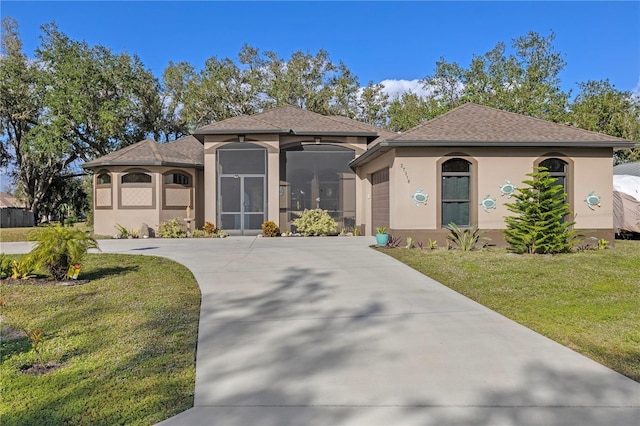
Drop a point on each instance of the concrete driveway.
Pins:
(327, 331)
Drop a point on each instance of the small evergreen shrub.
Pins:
(270, 229)
(57, 248)
(539, 224)
(172, 228)
(315, 222)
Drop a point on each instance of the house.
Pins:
(13, 212)
(459, 167)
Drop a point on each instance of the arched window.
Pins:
(136, 177)
(557, 168)
(103, 179)
(177, 178)
(456, 192)
(103, 194)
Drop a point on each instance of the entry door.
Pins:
(242, 204)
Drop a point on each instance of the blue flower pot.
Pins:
(382, 239)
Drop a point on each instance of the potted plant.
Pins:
(382, 238)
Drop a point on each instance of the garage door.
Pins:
(380, 199)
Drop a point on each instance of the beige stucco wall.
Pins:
(105, 219)
(413, 169)
(363, 214)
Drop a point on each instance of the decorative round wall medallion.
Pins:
(592, 200)
(507, 189)
(488, 203)
(420, 198)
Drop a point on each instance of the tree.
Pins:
(539, 224)
(67, 195)
(73, 102)
(372, 105)
(600, 107)
(21, 107)
(175, 81)
(409, 110)
(96, 100)
(222, 89)
(526, 82)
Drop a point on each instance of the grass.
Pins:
(8, 235)
(125, 344)
(587, 300)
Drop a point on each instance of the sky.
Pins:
(390, 42)
(393, 42)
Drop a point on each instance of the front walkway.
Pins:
(326, 331)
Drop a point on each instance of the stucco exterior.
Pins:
(131, 206)
(414, 169)
(495, 148)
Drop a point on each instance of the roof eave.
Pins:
(379, 148)
(95, 165)
(280, 132)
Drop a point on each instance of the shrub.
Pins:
(57, 248)
(172, 229)
(22, 269)
(5, 266)
(270, 229)
(315, 222)
(209, 227)
(540, 224)
(200, 233)
(122, 231)
(466, 239)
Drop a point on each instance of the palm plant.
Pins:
(57, 248)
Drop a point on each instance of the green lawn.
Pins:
(588, 301)
(125, 343)
(8, 235)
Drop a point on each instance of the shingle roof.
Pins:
(187, 151)
(287, 119)
(477, 123)
(9, 201)
(382, 133)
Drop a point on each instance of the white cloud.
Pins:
(635, 92)
(395, 88)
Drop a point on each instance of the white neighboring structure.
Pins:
(626, 197)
